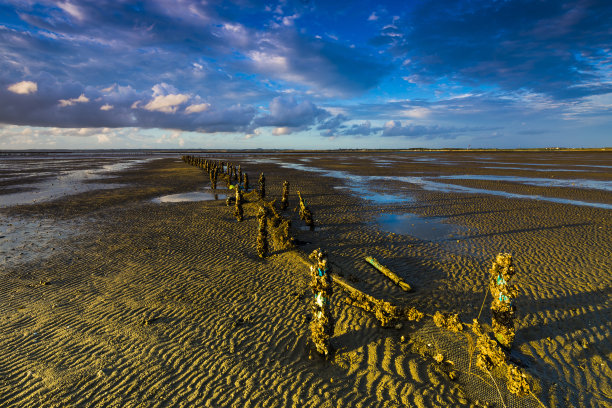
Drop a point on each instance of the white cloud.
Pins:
(106, 107)
(71, 9)
(109, 89)
(373, 17)
(69, 102)
(102, 138)
(166, 103)
(255, 133)
(23, 87)
(135, 105)
(201, 107)
(417, 113)
(281, 131)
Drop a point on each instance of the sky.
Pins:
(305, 74)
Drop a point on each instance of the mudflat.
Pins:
(120, 297)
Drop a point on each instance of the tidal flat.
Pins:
(113, 294)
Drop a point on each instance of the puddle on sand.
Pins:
(66, 183)
(540, 182)
(428, 183)
(374, 196)
(425, 228)
(189, 197)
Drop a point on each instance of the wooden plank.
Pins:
(389, 273)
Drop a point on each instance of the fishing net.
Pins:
(456, 356)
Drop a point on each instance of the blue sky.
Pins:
(305, 74)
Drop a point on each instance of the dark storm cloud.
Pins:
(555, 47)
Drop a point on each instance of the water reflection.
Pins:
(188, 197)
(425, 228)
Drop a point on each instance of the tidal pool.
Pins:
(425, 228)
(188, 197)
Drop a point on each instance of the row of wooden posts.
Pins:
(269, 216)
(493, 350)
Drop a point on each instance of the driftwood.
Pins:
(388, 273)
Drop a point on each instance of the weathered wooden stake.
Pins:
(262, 185)
(285, 199)
(503, 310)
(322, 323)
(305, 213)
(262, 236)
(238, 208)
(388, 273)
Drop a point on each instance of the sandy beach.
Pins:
(113, 297)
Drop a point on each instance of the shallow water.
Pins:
(540, 182)
(189, 197)
(431, 184)
(425, 228)
(66, 183)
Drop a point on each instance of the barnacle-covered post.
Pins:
(305, 213)
(285, 199)
(213, 178)
(245, 181)
(503, 310)
(238, 208)
(262, 185)
(322, 323)
(262, 235)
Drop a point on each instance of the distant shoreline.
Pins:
(292, 151)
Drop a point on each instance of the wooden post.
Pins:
(322, 323)
(285, 198)
(305, 213)
(262, 185)
(262, 236)
(503, 310)
(238, 212)
(388, 273)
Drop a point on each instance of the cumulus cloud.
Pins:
(287, 111)
(166, 103)
(106, 107)
(23, 87)
(196, 108)
(396, 128)
(284, 130)
(72, 101)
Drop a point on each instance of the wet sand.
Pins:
(138, 303)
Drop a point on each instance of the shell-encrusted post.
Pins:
(262, 235)
(262, 185)
(238, 212)
(503, 310)
(285, 198)
(322, 323)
